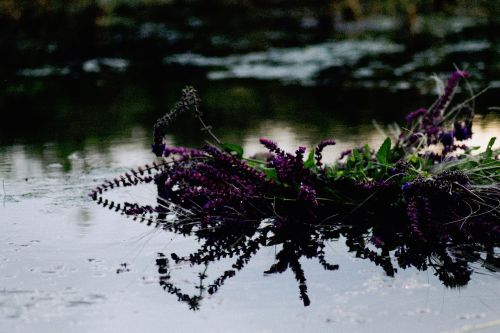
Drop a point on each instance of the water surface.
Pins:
(61, 253)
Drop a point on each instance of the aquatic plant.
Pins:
(428, 200)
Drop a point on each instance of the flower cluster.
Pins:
(289, 168)
(296, 180)
(440, 125)
(188, 101)
(217, 181)
(401, 202)
(211, 182)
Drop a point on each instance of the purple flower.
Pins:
(462, 130)
(415, 114)
(449, 90)
(189, 100)
(284, 168)
(406, 187)
(183, 151)
(307, 195)
(289, 168)
(446, 138)
(270, 145)
(319, 150)
(238, 166)
(345, 153)
(299, 154)
(401, 168)
(432, 131)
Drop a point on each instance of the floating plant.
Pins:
(423, 199)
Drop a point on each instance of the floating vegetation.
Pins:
(423, 199)
(290, 64)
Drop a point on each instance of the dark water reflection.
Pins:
(451, 263)
(72, 110)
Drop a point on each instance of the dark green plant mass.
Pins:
(424, 198)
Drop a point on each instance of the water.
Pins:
(66, 263)
(60, 254)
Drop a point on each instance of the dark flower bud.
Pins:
(446, 138)
(462, 130)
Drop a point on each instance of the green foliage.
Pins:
(270, 173)
(309, 162)
(233, 149)
(384, 152)
(489, 151)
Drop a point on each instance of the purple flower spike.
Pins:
(415, 114)
(446, 138)
(345, 153)
(461, 74)
(445, 99)
(299, 154)
(319, 150)
(270, 145)
(324, 143)
(182, 151)
(289, 168)
(308, 195)
(462, 131)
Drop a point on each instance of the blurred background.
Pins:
(76, 75)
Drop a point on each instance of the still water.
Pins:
(67, 264)
(61, 254)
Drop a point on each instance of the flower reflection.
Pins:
(365, 236)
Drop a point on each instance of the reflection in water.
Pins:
(366, 233)
(117, 110)
(379, 232)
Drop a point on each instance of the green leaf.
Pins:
(489, 149)
(233, 149)
(383, 153)
(310, 163)
(270, 173)
(367, 152)
(357, 155)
